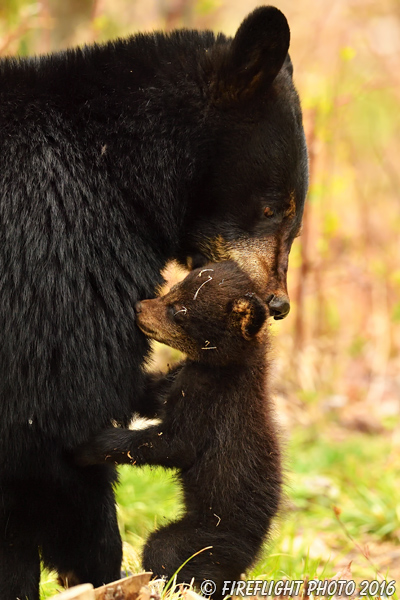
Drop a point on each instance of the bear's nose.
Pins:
(138, 307)
(279, 306)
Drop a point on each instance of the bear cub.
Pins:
(217, 426)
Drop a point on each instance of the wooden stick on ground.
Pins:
(123, 589)
(79, 592)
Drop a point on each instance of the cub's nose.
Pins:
(279, 306)
(138, 307)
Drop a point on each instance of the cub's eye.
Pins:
(268, 212)
(177, 313)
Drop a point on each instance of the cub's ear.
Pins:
(251, 312)
(256, 54)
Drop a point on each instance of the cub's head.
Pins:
(213, 315)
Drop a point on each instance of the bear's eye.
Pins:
(268, 212)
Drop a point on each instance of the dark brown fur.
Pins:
(217, 426)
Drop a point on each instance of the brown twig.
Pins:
(337, 512)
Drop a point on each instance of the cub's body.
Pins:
(217, 427)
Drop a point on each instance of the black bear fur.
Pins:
(114, 159)
(217, 427)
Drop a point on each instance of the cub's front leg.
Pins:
(150, 446)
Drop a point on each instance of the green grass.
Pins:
(342, 498)
(147, 497)
(343, 495)
(360, 474)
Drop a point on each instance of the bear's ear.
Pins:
(252, 313)
(256, 54)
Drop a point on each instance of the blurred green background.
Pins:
(336, 358)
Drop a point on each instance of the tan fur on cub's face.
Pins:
(212, 315)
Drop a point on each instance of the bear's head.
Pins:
(213, 315)
(249, 203)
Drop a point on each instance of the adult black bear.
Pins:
(216, 428)
(113, 160)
